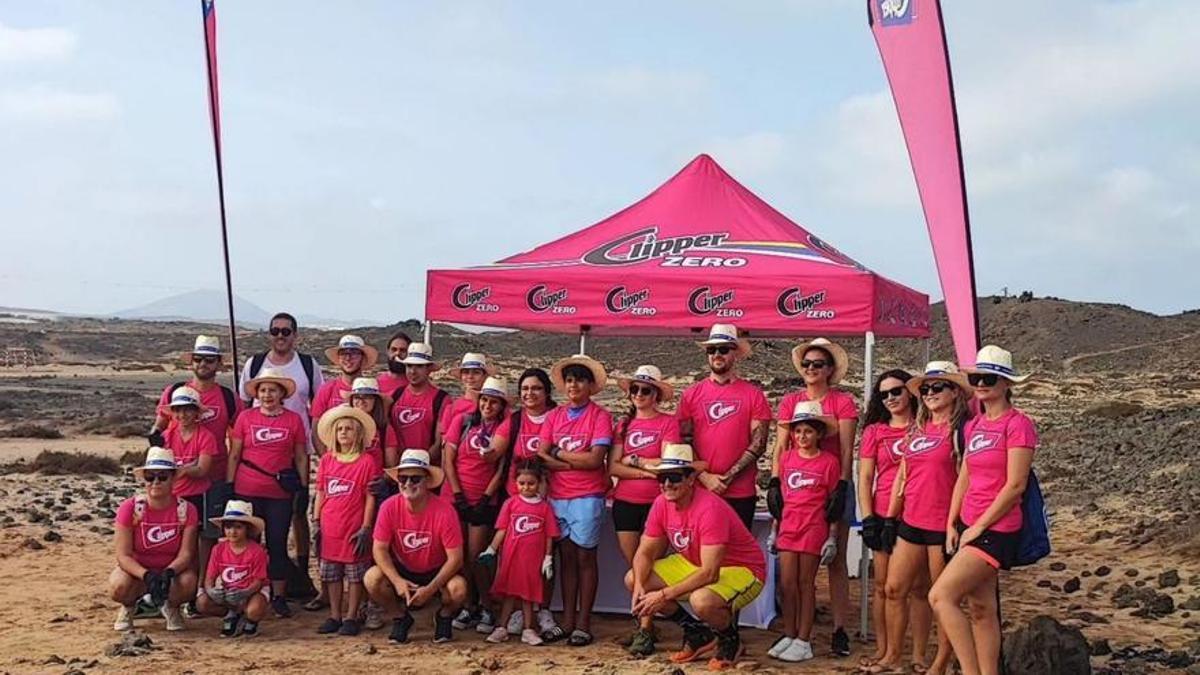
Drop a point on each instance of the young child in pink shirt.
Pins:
(236, 580)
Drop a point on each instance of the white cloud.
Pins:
(19, 45)
(639, 83)
(862, 154)
(755, 154)
(43, 103)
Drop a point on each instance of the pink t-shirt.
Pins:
(474, 472)
(389, 382)
(269, 442)
(188, 452)
(884, 444)
(988, 443)
(644, 439)
(837, 404)
(344, 486)
(237, 571)
(158, 534)
(721, 415)
(529, 527)
(329, 396)
(707, 521)
(524, 446)
(419, 540)
(453, 408)
(215, 418)
(577, 431)
(930, 478)
(412, 422)
(806, 483)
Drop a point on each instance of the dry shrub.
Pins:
(57, 463)
(31, 431)
(133, 458)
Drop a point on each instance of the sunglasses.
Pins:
(157, 476)
(819, 364)
(281, 331)
(894, 392)
(196, 358)
(635, 390)
(673, 478)
(985, 379)
(934, 388)
(410, 480)
(719, 349)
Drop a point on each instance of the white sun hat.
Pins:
(370, 354)
(727, 334)
(993, 360)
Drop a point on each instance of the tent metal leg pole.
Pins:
(864, 561)
(928, 343)
(583, 342)
(428, 332)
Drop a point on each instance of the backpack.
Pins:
(1034, 542)
(306, 362)
(226, 393)
(140, 503)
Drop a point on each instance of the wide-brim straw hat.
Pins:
(185, 396)
(496, 387)
(325, 425)
(370, 354)
(473, 360)
(810, 411)
(270, 375)
(366, 386)
(727, 334)
(841, 360)
(415, 458)
(993, 360)
(939, 370)
(157, 459)
(241, 512)
(598, 373)
(421, 354)
(652, 376)
(675, 457)
(206, 345)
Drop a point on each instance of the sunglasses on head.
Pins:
(719, 349)
(635, 390)
(414, 479)
(894, 392)
(200, 358)
(934, 388)
(277, 331)
(157, 476)
(819, 364)
(984, 379)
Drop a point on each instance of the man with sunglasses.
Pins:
(353, 356)
(727, 419)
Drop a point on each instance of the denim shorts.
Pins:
(579, 519)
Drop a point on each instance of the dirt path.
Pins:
(1068, 362)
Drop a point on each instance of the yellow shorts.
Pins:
(736, 585)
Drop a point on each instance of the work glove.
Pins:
(829, 550)
(361, 541)
(773, 543)
(461, 504)
(872, 528)
(316, 537)
(548, 566)
(381, 487)
(236, 597)
(156, 439)
(887, 534)
(218, 595)
(161, 587)
(775, 498)
(488, 557)
(835, 506)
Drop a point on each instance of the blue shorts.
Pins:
(579, 519)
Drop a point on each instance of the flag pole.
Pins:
(209, 15)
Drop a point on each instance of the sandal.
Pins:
(554, 634)
(579, 638)
(881, 669)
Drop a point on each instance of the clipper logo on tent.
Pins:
(982, 440)
(793, 302)
(897, 12)
(645, 245)
(703, 302)
(462, 297)
(541, 299)
(620, 300)
(523, 525)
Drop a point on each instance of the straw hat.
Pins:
(495, 387)
(472, 360)
(185, 396)
(325, 425)
(841, 360)
(598, 373)
(157, 459)
(206, 345)
(370, 354)
(242, 512)
(421, 354)
(652, 376)
(993, 360)
(810, 411)
(270, 375)
(939, 370)
(727, 334)
(366, 386)
(675, 456)
(417, 459)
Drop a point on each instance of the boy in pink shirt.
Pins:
(236, 584)
(417, 410)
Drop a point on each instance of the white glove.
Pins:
(488, 556)
(548, 566)
(828, 550)
(772, 546)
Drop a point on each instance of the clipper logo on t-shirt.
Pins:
(157, 535)
(922, 444)
(337, 487)
(719, 410)
(640, 439)
(268, 434)
(898, 448)
(234, 575)
(523, 525)
(570, 443)
(208, 415)
(681, 539)
(982, 440)
(532, 445)
(409, 416)
(479, 442)
(412, 541)
(800, 480)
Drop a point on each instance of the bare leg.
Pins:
(478, 538)
(526, 615)
(920, 616)
(839, 577)
(569, 554)
(333, 591)
(589, 581)
(808, 594)
(711, 608)
(380, 589)
(789, 587)
(355, 601)
(879, 564)
(183, 589)
(124, 588)
(937, 563)
(256, 608)
(906, 563)
(962, 575)
(506, 610)
(628, 543)
(985, 625)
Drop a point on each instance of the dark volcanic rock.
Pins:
(1168, 579)
(1058, 566)
(1072, 585)
(1103, 571)
(1046, 647)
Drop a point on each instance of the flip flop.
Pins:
(880, 669)
(579, 638)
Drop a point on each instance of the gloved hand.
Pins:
(154, 587)
(382, 487)
(548, 566)
(218, 595)
(775, 498)
(316, 537)
(887, 534)
(829, 550)
(361, 541)
(872, 527)
(160, 589)
(234, 598)
(488, 557)
(461, 504)
(773, 543)
(156, 439)
(835, 506)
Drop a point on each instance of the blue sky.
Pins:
(367, 142)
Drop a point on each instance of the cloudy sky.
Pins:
(367, 143)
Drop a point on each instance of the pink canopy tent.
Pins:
(701, 249)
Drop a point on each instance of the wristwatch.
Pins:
(555, 451)
(634, 460)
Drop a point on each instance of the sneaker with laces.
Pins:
(486, 622)
(349, 627)
(464, 619)
(841, 643)
(330, 625)
(516, 622)
(729, 650)
(190, 611)
(499, 634)
(249, 629)
(442, 629)
(174, 618)
(642, 643)
(530, 637)
(229, 625)
(280, 606)
(400, 628)
(124, 618)
(374, 617)
(698, 642)
(545, 621)
(779, 647)
(799, 650)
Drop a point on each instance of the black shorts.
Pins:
(998, 549)
(207, 529)
(920, 537)
(480, 516)
(744, 506)
(418, 578)
(629, 517)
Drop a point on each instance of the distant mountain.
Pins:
(204, 306)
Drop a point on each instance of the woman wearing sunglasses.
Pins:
(985, 516)
(921, 500)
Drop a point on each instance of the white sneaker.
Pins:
(780, 646)
(498, 635)
(486, 622)
(464, 620)
(374, 617)
(124, 618)
(796, 652)
(174, 618)
(516, 621)
(545, 621)
(530, 637)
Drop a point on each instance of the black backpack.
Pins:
(306, 362)
(226, 393)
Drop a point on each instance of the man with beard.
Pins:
(395, 378)
(352, 356)
(416, 410)
(728, 419)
